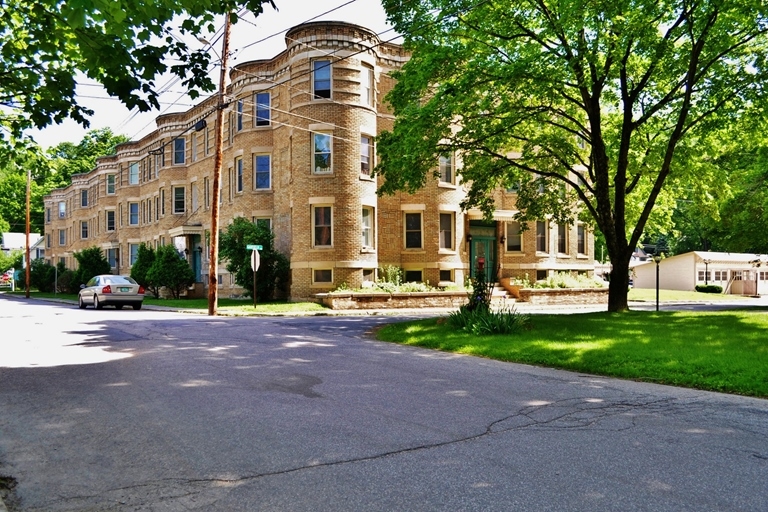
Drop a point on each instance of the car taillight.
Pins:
(106, 289)
(141, 290)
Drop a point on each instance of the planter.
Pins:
(564, 296)
(384, 300)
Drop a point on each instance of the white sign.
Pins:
(255, 260)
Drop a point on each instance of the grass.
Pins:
(717, 351)
(649, 295)
(225, 305)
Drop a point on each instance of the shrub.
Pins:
(568, 280)
(484, 321)
(42, 275)
(91, 262)
(171, 271)
(145, 257)
(709, 288)
(481, 292)
(391, 274)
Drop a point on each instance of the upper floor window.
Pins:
(62, 209)
(262, 101)
(541, 236)
(110, 220)
(239, 107)
(179, 199)
(133, 214)
(413, 231)
(47, 215)
(514, 237)
(133, 173)
(83, 198)
(262, 170)
(581, 239)
(446, 169)
(322, 226)
(446, 231)
(239, 173)
(366, 85)
(321, 78)
(62, 237)
(110, 184)
(263, 221)
(84, 229)
(322, 153)
(159, 161)
(366, 154)
(179, 150)
(133, 253)
(562, 239)
(193, 143)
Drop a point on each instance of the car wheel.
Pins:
(137, 306)
(96, 303)
(80, 302)
(118, 306)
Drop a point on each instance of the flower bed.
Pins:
(384, 300)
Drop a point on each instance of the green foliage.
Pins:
(274, 267)
(42, 275)
(47, 44)
(66, 282)
(633, 95)
(568, 280)
(68, 159)
(12, 260)
(485, 321)
(5, 227)
(481, 293)
(145, 258)
(91, 262)
(171, 271)
(391, 274)
(709, 288)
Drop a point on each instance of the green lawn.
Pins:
(718, 351)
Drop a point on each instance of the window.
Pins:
(263, 221)
(366, 85)
(193, 188)
(366, 154)
(514, 237)
(324, 275)
(162, 202)
(62, 209)
(703, 277)
(541, 236)
(446, 275)
(179, 199)
(239, 173)
(413, 276)
(446, 169)
(369, 275)
(413, 230)
(541, 274)
(47, 215)
(179, 151)
(239, 108)
(83, 198)
(262, 170)
(133, 173)
(193, 143)
(446, 231)
(367, 218)
(206, 192)
(84, 229)
(321, 225)
(110, 184)
(110, 220)
(321, 79)
(721, 275)
(322, 153)
(581, 240)
(157, 208)
(208, 141)
(112, 257)
(133, 214)
(159, 161)
(62, 237)
(562, 239)
(262, 101)
(133, 252)
(47, 241)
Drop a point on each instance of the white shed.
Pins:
(737, 273)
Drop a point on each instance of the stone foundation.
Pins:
(563, 296)
(383, 300)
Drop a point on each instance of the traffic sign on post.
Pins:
(255, 262)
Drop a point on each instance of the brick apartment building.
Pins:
(299, 147)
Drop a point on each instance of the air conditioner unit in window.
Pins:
(62, 214)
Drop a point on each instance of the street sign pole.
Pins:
(255, 262)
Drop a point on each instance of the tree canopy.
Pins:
(123, 45)
(609, 109)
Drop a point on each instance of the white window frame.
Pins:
(131, 214)
(367, 80)
(316, 153)
(240, 105)
(193, 143)
(257, 172)
(84, 198)
(368, 223)
(62, 209)
(258, 118)
(542, 224)
(239, 177)
(322, 65)
(447, 236)
(318, 282)
(176, 209)
(133, 173)
(111, 184)
(179, 151)
(514, 233)
(367, 154)
(133, 253)
(581, 239)
(83, 230)
(447, 168)
(106, 220)
(315, 238)
(62, 237)
(562, 239)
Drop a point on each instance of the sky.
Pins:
(249, 40)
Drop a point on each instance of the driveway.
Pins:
(158, 411)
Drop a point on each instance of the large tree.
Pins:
(123, 45)
(606, 107)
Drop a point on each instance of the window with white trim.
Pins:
(133, 253)
(366, 85)
(263, 221)
(179, 199)
(83, 198)
(446, 230)
(322, 153)
(413, 239)
(133, 214)
(62, 237)
(262, 101)
(322, 226)
(562, 239)
(84, 229)
(239, 106)
(321, 79)
(447, 174)
(112, 257)
(514, 237)
(133, 173)
(110, 220)
(62, 209)
(322, 276)
(367, 223)
(179, 150)
(581, 239)
(541, 236)
(366, 154)
(193, 143)
(110, 184)
(262, 172)
(239, 173)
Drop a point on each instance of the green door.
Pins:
(483, 251)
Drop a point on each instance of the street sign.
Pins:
(254, 247)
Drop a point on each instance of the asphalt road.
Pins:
(155, 411)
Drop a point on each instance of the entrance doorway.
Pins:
(482, 248)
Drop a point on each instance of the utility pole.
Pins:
(26, 275)
(213, 260)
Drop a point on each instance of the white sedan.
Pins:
(110, 290)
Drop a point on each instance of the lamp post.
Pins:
(657, 258)
(706, 271)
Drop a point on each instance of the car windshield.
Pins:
(119, 280)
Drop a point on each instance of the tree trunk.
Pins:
(619, 285)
